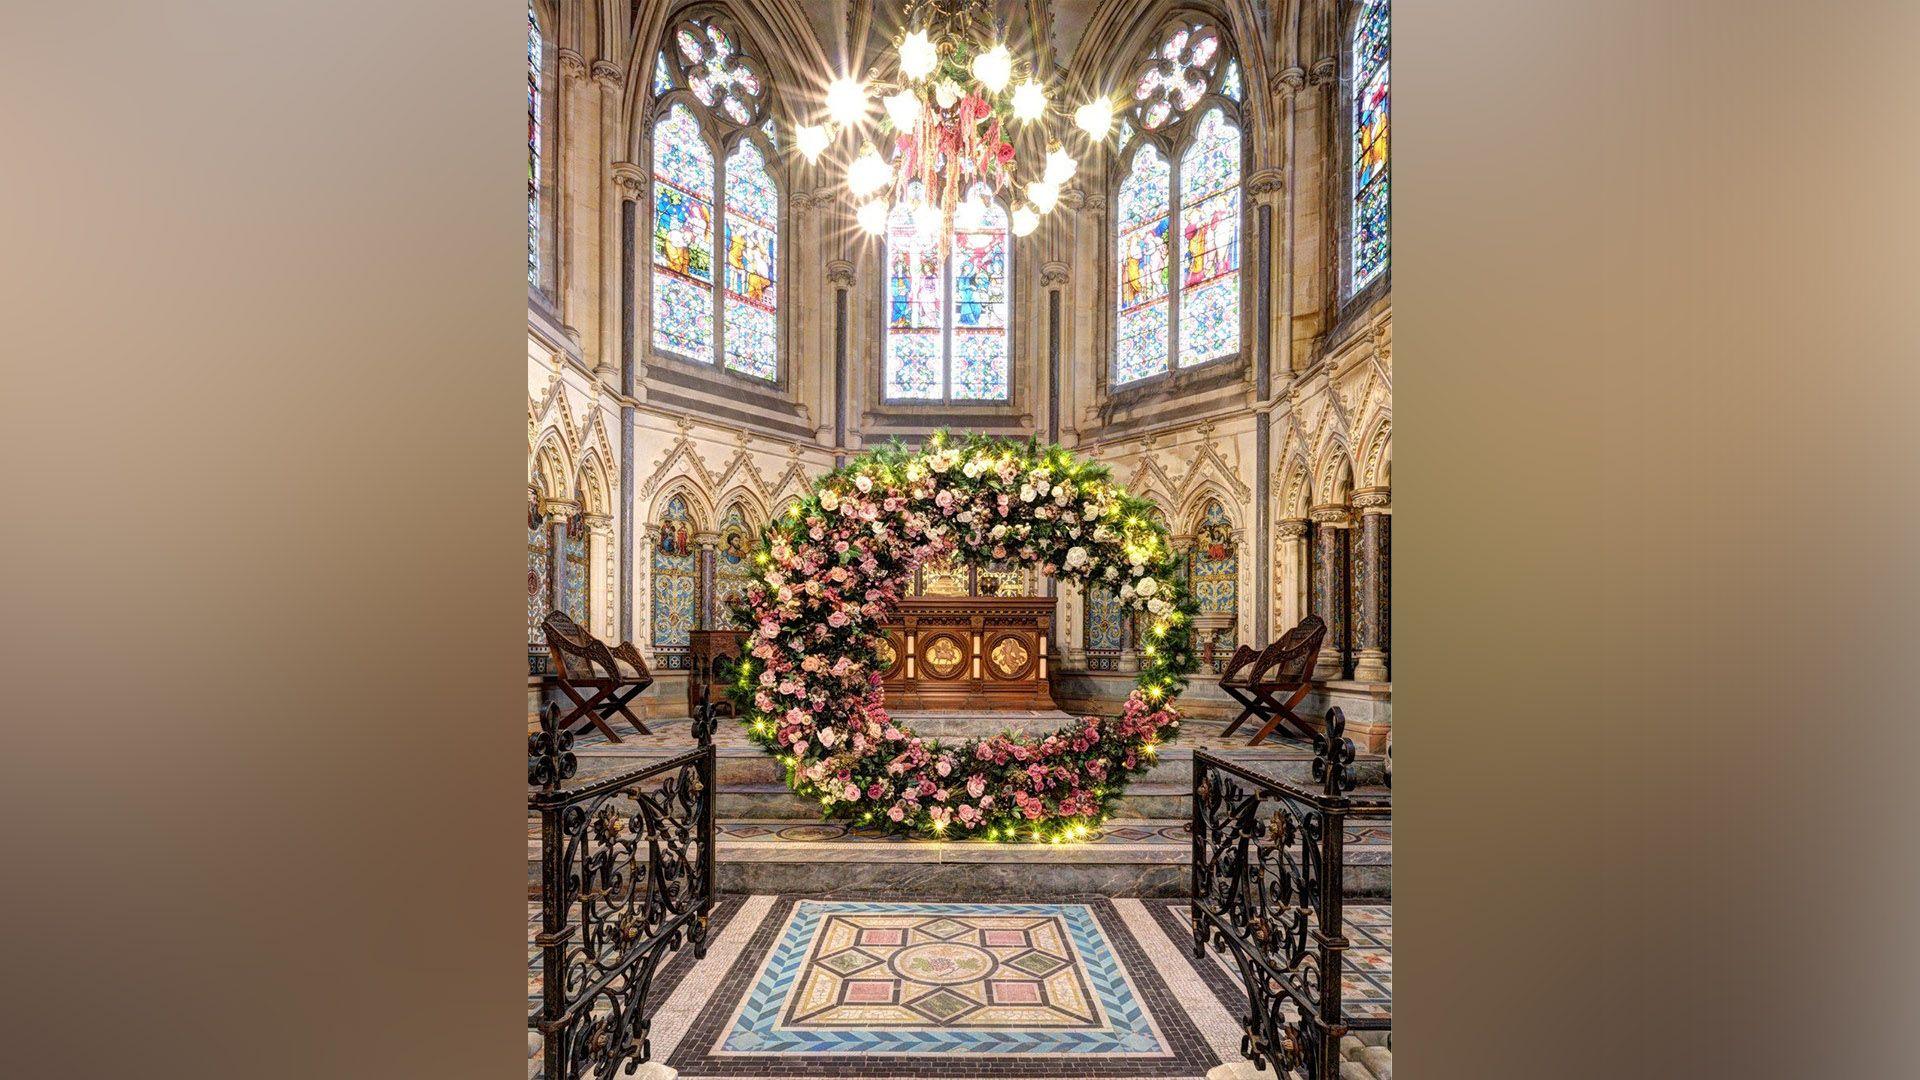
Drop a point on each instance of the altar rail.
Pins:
(1268, 863)
(626, 878)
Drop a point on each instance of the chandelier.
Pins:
(943, 142)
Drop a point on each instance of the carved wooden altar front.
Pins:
(969, 652)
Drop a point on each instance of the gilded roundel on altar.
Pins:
(1010, 657)
(943, 656)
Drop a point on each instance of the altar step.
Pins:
(1126, 857)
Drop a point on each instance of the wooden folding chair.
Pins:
(1291, 674)
(1237, 679)
(596, 695)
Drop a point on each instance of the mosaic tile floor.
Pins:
(1022, 991)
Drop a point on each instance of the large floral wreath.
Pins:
(829, 571)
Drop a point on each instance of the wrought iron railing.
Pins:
(1268, 866)
(626, 878)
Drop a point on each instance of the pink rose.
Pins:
(896, 813)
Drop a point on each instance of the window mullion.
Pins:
(946, 327)
(1176, 259)
(717, 261)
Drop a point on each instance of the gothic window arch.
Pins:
(1178, 212)
(947, 321)
(1370, 208)
(716, 202)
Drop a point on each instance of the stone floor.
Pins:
(798, 987)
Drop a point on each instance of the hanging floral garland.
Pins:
(831, 570)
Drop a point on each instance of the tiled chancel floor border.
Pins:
(1190, 1031)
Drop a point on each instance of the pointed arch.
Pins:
(1296, 488)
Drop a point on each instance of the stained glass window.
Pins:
(706, 212)
(753, 214)
(1126, 134)
(733, 570)
(1179, 289)
(1214, 565)
(1372, 203)
(1210, 242)
(533, 148)
(947, 326)
(675, 576)
(1141, 339)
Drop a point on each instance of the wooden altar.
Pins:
(969, 652)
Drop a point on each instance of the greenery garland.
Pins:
(830, 570)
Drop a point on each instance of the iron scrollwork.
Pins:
(627, 878)
(1268, 859)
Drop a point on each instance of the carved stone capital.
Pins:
(562, 508)
(572, 64)
(1096, 202)
(840, 273)
(1325, 70)
(1265, 180)
(629, 178)
(1291, 529)
(1073, 198)
(607, 75)
(601, 524)
(801, 202)
(1053, 273)
(1338, 517)
(1293, 78)
(1373, 499)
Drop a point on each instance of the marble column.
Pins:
(1330, 525)
(558, 511)
(707, 563)
(1372, 608)
(1294, 571)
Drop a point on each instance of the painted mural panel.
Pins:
(675, 577)
(732, 572)
(1216, 566)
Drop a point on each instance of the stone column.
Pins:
(599, 599)
(1293, 571)
(706, 564)
(1372, 610)
(558, 511)
(1330, 524)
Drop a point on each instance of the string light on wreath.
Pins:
(830, 572)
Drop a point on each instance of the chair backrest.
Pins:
(575, 651)
(1300, 647)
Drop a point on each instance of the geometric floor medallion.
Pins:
(902, 978)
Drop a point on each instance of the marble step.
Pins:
(1126, 857)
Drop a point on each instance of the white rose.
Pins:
(999, 531)
(1113, 573)
(1126, 591)
(829, 500)
(1147, 587)
(863, 482)
(1157, 605)
(1027, 494)
(1076, 557)
(1042, 487)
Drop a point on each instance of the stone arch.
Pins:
(1296, 489)
(595, 493)
(550, 465)
(1335, 485)
(1194, 508)
(697, 502)
(1377, 459)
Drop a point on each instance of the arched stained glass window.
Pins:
(1371, 240)
(753, 214)
(946, 322)
(1141, 342)
(1210, 239)
(682, 237)
(714, 206)
(1179, 288)
(533, 148)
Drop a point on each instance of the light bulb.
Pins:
(847, 101)
(812, 140)
(1043, 195)
(1060, 166)
(873, 217)
(1024, 220)
(917, 55)
(993, 68)
(1095, 118)
(867, 173)
(1029, 101)
(903, 109)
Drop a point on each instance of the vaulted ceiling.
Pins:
(1060, 22)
